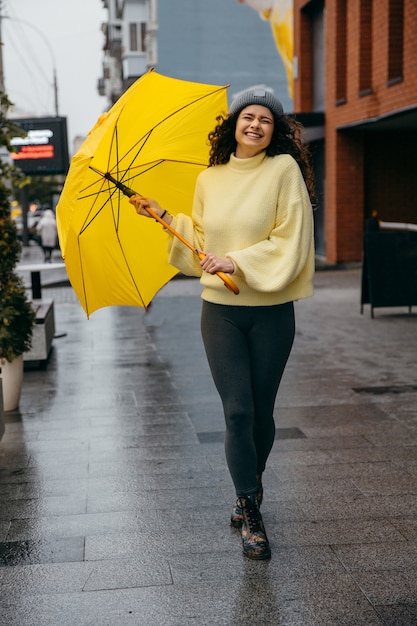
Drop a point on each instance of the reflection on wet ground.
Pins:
(114, 491)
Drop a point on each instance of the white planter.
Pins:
(12, 378)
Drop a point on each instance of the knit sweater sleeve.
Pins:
(179, 255)
(274, 263)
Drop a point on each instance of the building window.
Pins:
(137, 37)
(365, 48)
(143, 36)
(318, 56)
(133, 37)
(341, 52)
(395, 41)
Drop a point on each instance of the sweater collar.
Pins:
(246, 165)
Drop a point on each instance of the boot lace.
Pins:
(252, 517)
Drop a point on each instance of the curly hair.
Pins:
(286, 139)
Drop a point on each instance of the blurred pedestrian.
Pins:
(48, 232)
(252, 216)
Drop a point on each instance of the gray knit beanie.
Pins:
(256, 95)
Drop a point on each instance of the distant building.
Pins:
(221, 42)
(216, 41)
(356, 62)
(129, 45)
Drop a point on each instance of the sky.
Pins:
(40, 35)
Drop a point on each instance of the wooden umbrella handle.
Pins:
(228, 282)
(127, 191)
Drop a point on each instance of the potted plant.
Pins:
(17, 315)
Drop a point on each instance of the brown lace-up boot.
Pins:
(254, 540)
(236, 516)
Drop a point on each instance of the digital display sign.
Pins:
(44, 148)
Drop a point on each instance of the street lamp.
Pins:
(24, 199)
(49, 47)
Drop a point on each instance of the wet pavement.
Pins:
(115, 496)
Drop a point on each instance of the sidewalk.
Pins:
(115, 496)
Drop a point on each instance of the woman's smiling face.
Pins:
(254, 128)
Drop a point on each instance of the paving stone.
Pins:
(378, 556)
(65, 550)
(43, 507)
(343, 531)
(115, 494)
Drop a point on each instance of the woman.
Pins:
(47, 229)
(253, 217)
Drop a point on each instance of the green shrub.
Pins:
(16, 312)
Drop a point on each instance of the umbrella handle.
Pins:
(228, 282)
(127, 191)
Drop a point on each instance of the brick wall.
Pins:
(365, 171)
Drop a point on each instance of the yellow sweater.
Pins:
(257, 212)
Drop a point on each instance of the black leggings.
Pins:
(247, 349)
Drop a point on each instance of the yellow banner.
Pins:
(279, 13)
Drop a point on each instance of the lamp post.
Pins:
(49, 47)
(51, 52)
(1, 52)
(23, 194)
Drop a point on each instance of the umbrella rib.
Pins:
(128, 179)
(82, 277)
(116, 222)
(142, 301)
(88, 220)
(142, 141)
(106, 189)
(185, 106)
(116, 137)
(124, 177)
(126, 158)
(147, 135)
(130, 272)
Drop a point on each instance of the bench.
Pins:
(43, 331)
(35, 270)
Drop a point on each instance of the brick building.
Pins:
(356, 62)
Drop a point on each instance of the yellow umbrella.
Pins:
(153, 140)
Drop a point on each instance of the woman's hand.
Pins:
(141, 204)
(213, 263)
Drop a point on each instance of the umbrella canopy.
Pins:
(153, 140)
